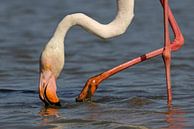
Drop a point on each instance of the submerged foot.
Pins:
(88, 90)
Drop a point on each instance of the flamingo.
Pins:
(93, 82)
(52, 57)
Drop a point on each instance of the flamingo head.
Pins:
(51, 65)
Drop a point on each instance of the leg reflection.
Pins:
(175, 118)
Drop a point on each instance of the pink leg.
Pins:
(93, 82)
(167, 52)
(168, 46)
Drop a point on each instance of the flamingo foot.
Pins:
(88, 90)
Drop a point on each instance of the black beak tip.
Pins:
(50, 104)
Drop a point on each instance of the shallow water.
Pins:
(134, 98)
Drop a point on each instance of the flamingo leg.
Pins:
(93, 82)
(167, 52)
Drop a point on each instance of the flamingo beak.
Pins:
(48, 88)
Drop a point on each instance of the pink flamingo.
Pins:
(93, 82)
(52, 57)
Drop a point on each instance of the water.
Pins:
(134, 98)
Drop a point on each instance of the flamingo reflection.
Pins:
(175, 118)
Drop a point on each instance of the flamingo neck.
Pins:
(118, 26)
(125, 10)
(54, 51)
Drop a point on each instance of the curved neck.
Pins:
(125, 12)
(125, 9)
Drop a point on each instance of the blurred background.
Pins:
(134, 98)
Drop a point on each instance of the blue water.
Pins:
(134, 98)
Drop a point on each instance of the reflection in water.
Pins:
(175, 118)
(51, 118)
(45, 112)
(48, 114)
